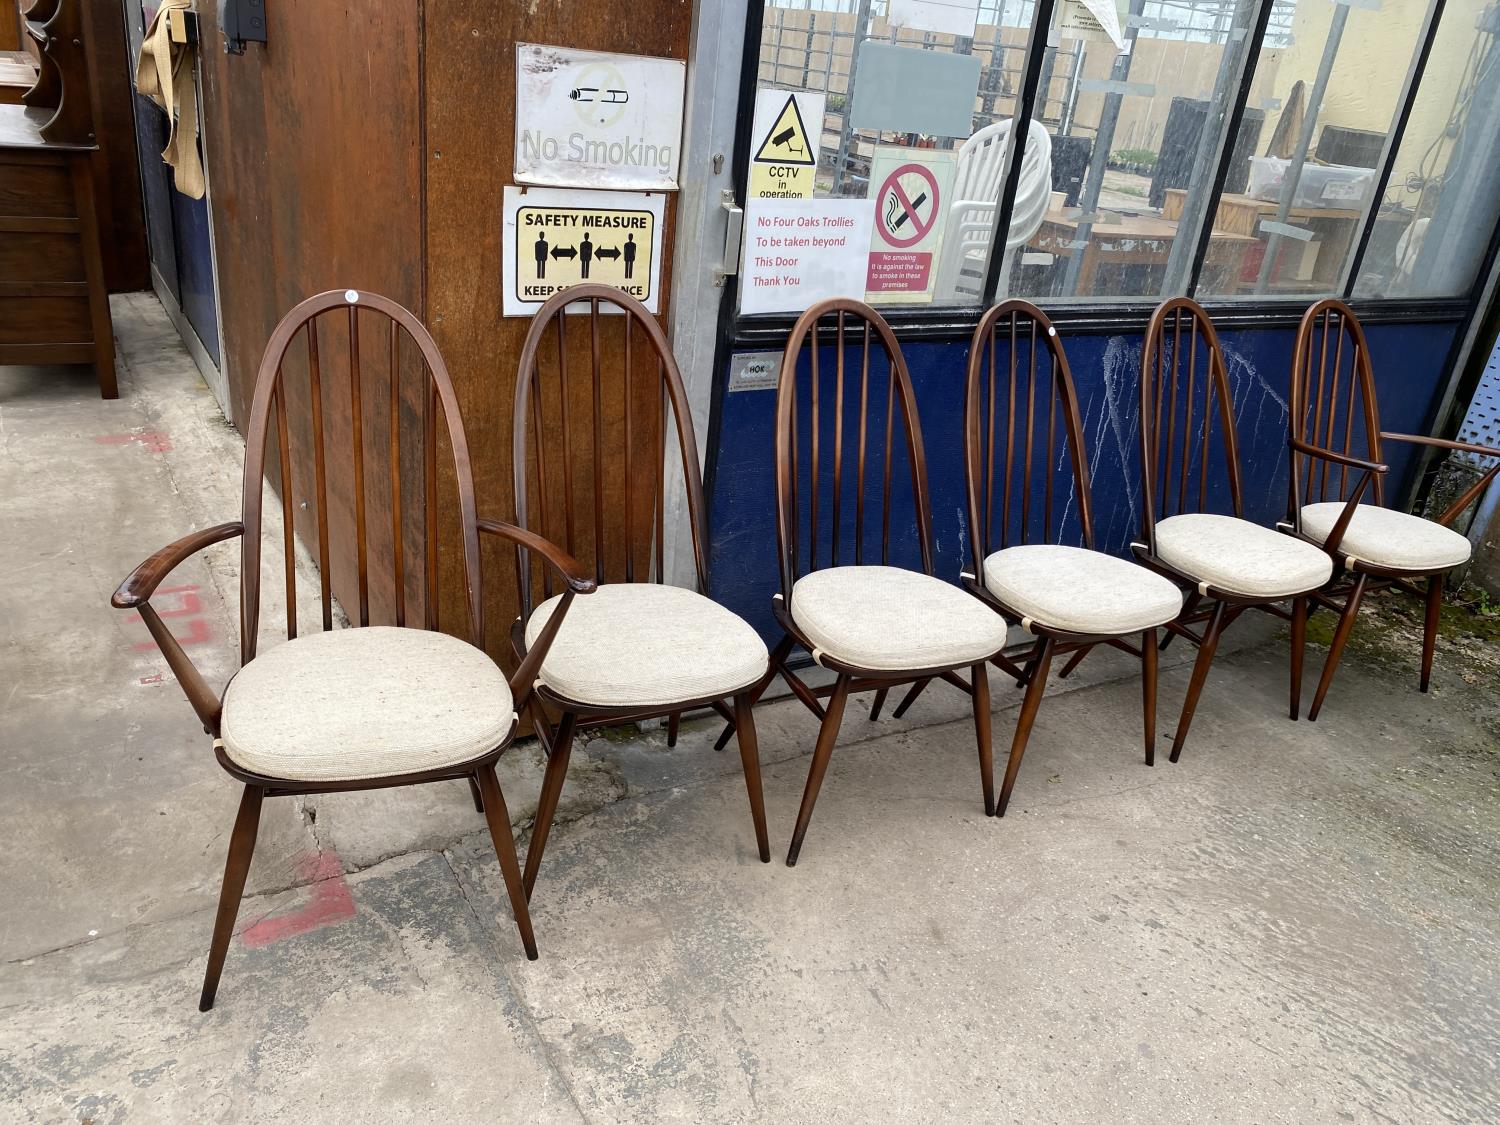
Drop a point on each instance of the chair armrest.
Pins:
(1443, 443)
(1458, 506)
(578, 580)
(135, 593)
(137, 589)
(1338, 458)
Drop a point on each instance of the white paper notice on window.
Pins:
(1091, 19)
(948, 17)
(801, 251)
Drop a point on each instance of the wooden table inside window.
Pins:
(1132, 240)
(1334, 227)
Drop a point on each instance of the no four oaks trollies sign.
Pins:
(557, 239)
(589, 119)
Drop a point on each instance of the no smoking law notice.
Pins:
(800, 251)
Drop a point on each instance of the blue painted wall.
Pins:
(743, 559)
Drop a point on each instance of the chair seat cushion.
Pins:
(1240, 556)
(1075, 590)
(885, 618)
(364, 703)
(1389, 538)
(637, 644)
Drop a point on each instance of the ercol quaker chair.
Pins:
(1020, 414)
(645, 649)
(1336, 494)
(874, 625)
(372, 706)
(1224, 560)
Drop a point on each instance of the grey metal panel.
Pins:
(889, 75)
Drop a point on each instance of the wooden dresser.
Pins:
(54, 307)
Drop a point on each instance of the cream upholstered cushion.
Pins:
(364, 703)
(1240, 556)
(888, 619)
(1080, 591)
(637, 644)
(1389, 538)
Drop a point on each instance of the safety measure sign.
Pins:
(910, 202)
(787, 134)
(555, 239)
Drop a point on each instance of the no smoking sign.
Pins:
(909, 206)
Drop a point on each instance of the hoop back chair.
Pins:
(1021, 426)
(1336, 497)
(369, 706)
(1188, 430)
(875, 625)
(648, 649)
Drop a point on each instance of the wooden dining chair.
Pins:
(1021, 427)
(1221, 558)
(590, 437)
(374, 705)
(1336, 495)
(875, 625)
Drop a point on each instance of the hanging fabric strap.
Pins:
(164, 73)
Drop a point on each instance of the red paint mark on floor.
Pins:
(187, 603)
(331, 902)
(159, 678)
(150, 442)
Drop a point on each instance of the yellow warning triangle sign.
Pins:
(786, 141)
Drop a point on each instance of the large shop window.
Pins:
(1130, 187)
(1443, 196)
(1329, 97)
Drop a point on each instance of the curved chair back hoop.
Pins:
(1020, 400)
(643, 485)
(808, 330)
(1184, 391)
(1333, 405)
(272, 390)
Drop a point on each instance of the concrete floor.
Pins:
(1296, 923)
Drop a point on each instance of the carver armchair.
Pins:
(373, 705)
(1336, 495)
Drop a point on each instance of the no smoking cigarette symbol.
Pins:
(905, 218)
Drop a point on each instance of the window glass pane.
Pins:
(1443, 196)
(1328, 94)
(916, 99)
(1135, 129)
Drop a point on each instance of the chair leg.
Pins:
(474, 792)
(1036, 686)
(744, 725)
(880, 694)
(1299, 648)
(236, 868)
(982, 735)
(546, 808)
(773, 666)
(1341, 633)
(498, 817)
(1074, 661)
(673, 721)
(828, 734)
(1148, 692)
(1206, 647)
(1188, 606)
(1430, 627)
(911, 697)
